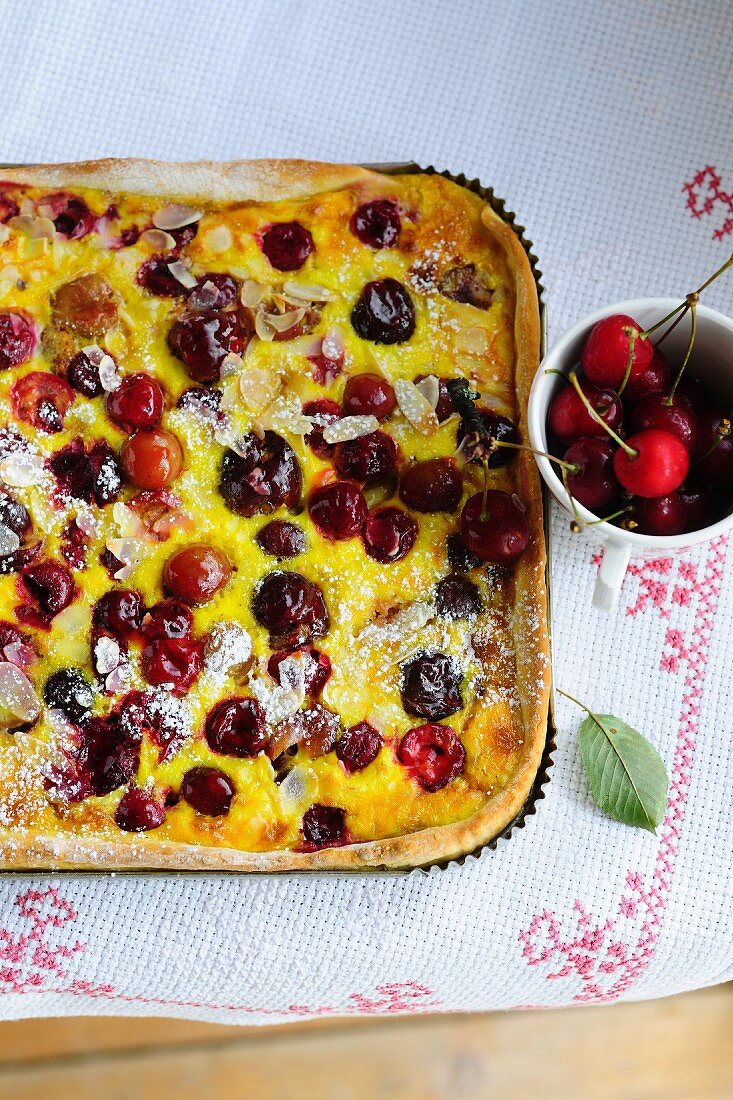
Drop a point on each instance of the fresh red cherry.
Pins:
(209, 790)
(655, 379)
(457, 597)
(658, 466)
(136, 403)
(384, 313)
(318, 671)
(495, 528)
(322, 412)
(445, 407)
(715, 449)
(358, 747)
(367, 394)
(281, 539)
(196, 573)
(431, 686)
(698, 502)
(291, 608)
(261, 475)
(434, 485)
(121, 610)
(172, 661)
(139, 812)
(568, 419)
(368, 458)
(203, 340)
(50, 585)
(168, 619)
(665, 515)
(654, 411)
(156, 277)
(17, 340)
(287, 245)
(377, 223)
(152, 458)
(237, 727)
(496, 427)
(433, 755)
(324, 827)
(595, 485)
(338, 510)
(83, 375)
(694, 395)
(42, 400)
(606, 352)
(389, 534)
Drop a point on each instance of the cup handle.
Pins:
(611, 575)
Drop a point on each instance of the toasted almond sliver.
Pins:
(10, 272)
(9, 541)
(258, 388)
(230, 364)
(175, 216)
(472, 341)
(180, 272)
(350, 427)
(158, 239)
(4, 233)
(219, 239)
(35, 228)
(263, 328)
(19, 472)
(415, 407)
(108, 376)
(429, 387)
(252, 293)
(281, 322)
(18, 699)
(308, 292)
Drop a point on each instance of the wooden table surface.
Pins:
(680, 1048)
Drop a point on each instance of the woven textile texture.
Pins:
(607, 127)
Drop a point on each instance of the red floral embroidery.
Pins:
(27, 961)
(705, 194)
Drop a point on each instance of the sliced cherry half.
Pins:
(368, 394)
(14, 515)
(50, 586)
(464, 283)
(156, 277)
(209, 790)
(237, 727)
(70, 215)
(377, 223)
(434, 485)
(261, 475)
(17, 340)
(433, 755)
(291, 608)
(136, 403)
(359, 746)
(83, 375)
(431, 686)
(384, 313)
(318, 672)
(168, 619)
(120, 611)
(69, 691)
(389, 534)
(322, 412)
(287, 245)
(494, 526)
(338, 510)
(42, 400)
(457, 597)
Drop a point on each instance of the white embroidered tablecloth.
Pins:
(608, 127)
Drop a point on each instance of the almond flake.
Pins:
(107, 655)
(472, 341)
(350, 427)
(158, 239)
(18, 700)
(258, 388)
(298, 789)
(332, 345)
(281, 322)
(180, 272)
(118, 680)
(415, 407)
(20, 471)
(429, 387)
(307, 292)
(129, 524)
(227, 650)
(175, 215)
(263, 328)
(4, 233)
(9, 273)
(285, 414)
(204, 297)
(252, 293)
(129, 552)
(285, 699)
(108, 376)
(35, 228)
(218, 239)
(9, 541)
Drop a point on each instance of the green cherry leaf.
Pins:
(626, 774)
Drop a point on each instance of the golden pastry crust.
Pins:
(262, 181)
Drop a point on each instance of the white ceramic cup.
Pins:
(711, 363)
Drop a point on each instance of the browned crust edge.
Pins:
(256, 181)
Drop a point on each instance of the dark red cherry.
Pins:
(287, 245)
(168, 619)
(17, 340)
(291, 608)
(457, 597)
(678, 418)
(658, 467)
(322, 412)
(431, 686)
(261, 476)
(83, 375)
(50, 585)
(237, 727)
(496, 527)
(196, 573)
(698, 502)
(281, 539)
(714, 461)
(324, 827)
(201, 402)
(216, 289)
(203, 340)
(595, 486)
(71, 467)
(139, 812)
(70, 215)
(377, 223)
(209, 790)
(358, 746)
(42, 400)
(175, 662)
(459, 556)
(318, 671)
(655, 379)
(69, 691)
(152, 458)
(568, 419)
(136, 403)
(8, 208)
(156, 277)
(497, 427)
(445, 407)
(384, 313)
(106, 473)
(665, 515)
(152, 713)
(369, 394)
(368, 458)
(13, 514)
(338, 510)
(433, 755)
(389, 534)
(434, 485)
(121, 610)
(694, 395)
(606, 352)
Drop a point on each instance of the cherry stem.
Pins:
(581, 705)
(577, 523)
(684, 306)
(672, 327)
(692, 302)
(681, 308)
(723, 431)
(633, 336)
(599, 419)
(614, 515)
(484, 512)
(571, 466)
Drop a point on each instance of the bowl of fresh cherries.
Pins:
(630, 419)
